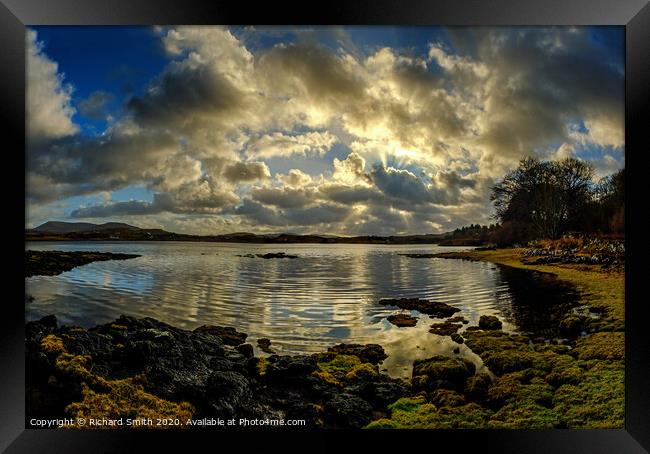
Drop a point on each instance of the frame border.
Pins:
(633, 14)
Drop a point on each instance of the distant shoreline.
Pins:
(115, 231)
(255, 239)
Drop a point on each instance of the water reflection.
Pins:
(326, 296)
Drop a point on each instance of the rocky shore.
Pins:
(51, 263)
(133, 368)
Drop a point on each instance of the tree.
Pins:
(543, 199)
(610, 196)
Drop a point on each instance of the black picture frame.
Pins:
(633, 14)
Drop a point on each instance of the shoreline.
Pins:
(601, 289)
(212, 372)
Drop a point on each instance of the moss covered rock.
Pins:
(417, 413)
(511, 389)
(524, 415)
(442, 371)
(489, 322)
(477, 386)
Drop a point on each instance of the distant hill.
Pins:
(74, 227)
(117, 231)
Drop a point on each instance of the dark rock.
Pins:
(276, 255)
(445, 328)
(49, 321)
(227, 393)
(458, 319)
(457, 338)
(489, 322)
(265, 345)
(433, 308)
(402, 320)
(368, 353)
(379, 394)
(289, 368)
(246, 350)
(348, 411)
(228, 335)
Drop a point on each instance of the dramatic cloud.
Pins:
(253, 129)
(48, 98)
(278, 144)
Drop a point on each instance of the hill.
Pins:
(72, 227)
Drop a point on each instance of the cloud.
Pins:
(283, 145)
(294, 178)
(370, 138)
(48, 99)
(283, 197)
(401, 184)
(350, 169)
(94, 106)
(133, 207)
(246, 171)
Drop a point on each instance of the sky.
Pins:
(337, 130)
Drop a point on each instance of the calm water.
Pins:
(326, 296)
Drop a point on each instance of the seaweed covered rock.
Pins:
(433, 308)
(417, 413)
(482, 342)
(524, 415)
(51, 263)
(402, 320)
(511, 389)
(477, 386)
(447, 398)
(442, 372)
(457, 338)
(573, 325)
(367, 353)
(444, 328)
(488, 322)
